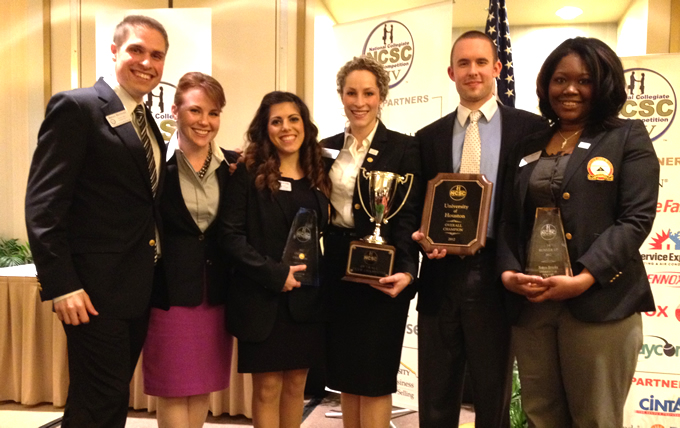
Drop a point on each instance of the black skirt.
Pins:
(291, 345)
(366, 330)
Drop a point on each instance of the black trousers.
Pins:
(469, 328)
(102, 356)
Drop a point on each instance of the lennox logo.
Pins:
(391, 44)
(664, 278)
(651, 98)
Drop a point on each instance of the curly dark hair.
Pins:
(606, 71)
(262, 157)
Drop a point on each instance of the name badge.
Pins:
(285, 186)
(329, 153)
(530, 158)
(583, 145)
(119, 118)
(374, 152)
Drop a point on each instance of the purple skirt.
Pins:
(187, 351)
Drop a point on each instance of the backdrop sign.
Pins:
(654, 399)
(410, 46)
(190, 35)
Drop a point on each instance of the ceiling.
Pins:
(472, 13)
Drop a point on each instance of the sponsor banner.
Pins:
(652, 82)
(190, 35)
(410, 46)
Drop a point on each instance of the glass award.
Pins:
(548, 253)
(302, 247)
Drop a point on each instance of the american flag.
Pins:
(498, 28)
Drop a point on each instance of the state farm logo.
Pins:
(391, 44)
(651, 98)
(159, 102)
(669, 206)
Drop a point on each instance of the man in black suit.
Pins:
(92, 219)
(461, 317)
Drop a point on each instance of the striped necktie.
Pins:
(472, 146)
(140, 121)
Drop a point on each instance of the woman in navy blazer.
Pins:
(278, 322)
(187, 353)
(577, 337)
(368, 322)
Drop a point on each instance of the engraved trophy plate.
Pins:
(548, 253)
(371, 258)
(456, 213)
(302, 247)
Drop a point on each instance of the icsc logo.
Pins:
(391, 44)
(159, 102)
(651, 98)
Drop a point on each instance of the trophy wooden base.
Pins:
(367, 263)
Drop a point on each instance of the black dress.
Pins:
(291, 344)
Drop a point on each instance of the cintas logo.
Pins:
(159, 102)
(651, 98)
(391, 44)
(660, 407)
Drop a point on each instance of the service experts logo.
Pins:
(651, 98)
(391, 44)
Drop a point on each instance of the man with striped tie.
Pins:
(92, 220)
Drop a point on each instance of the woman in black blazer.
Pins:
(278, 322)
(577, 337)
(187, 352)
(368, 321)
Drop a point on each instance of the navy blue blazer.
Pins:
(605, 221)
(436, 150)
(90, 212)
(394, 152)
(253, 231)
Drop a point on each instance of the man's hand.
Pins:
(74, 309)
(394, 284)
(434, 254)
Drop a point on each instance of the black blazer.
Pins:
(437, 156)
(606, 222)
(253, 231)
(90, 211)
(396, 153)
(188, 253)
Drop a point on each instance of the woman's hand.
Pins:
(394, 284)
(434, 254)
(291, 282)
(530, 286)
(562, 287)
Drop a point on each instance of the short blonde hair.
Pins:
(367, 63)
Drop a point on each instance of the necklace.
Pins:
(564, 143)
(206, 164)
